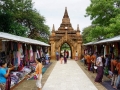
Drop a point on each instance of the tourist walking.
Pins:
(65, 57)
(38, 73)
(99, 64)
(57, 55)
(61, 58)
(67, 54)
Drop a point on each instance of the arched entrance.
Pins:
(65, 47)
(65, 34)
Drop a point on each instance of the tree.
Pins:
(114, 27)
(101, 11)
(86, 34)
(105, 17)
(8, 22)
(65, 46)
(21, 19)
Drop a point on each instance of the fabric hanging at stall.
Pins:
(31, 54)
(15, 54)
(38, 55)
(21, 57)
(26, 56)
(34, 52)
(23, 47)
(34, 48)
(19, 53)
(41, 51)
(34, 56)
(15, 60)
(15, 46)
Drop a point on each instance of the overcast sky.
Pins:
(53, 11)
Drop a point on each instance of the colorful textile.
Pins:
(14, 79)
(15, 58)
(31, 54)
(38, 54)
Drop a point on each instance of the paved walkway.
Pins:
(68, 77)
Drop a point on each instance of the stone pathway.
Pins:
(68, 77)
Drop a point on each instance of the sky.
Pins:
(53, 11)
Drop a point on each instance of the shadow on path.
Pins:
(107, 85)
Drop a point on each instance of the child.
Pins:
(61, 58)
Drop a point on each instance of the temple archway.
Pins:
(65, 34)
(65, 47)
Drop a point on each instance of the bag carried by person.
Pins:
(35, 77)
(95, 67)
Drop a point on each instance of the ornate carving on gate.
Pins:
(65, 34)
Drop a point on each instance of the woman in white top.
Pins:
(99, 64)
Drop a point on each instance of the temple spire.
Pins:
(66, 13)
(65, 22)
(78, 28)
(53, 29)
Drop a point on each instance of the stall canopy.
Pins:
(114, 39)
(90, 43)
(10, 37)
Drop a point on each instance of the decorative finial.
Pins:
(78, 28)
(66, 13)
(53, 29)
(65, 8)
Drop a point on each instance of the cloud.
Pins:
(53, 11)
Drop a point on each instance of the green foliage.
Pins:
(86, 34)
(18, 17)
(105, 16)
(42, 39)
(65, 46)
(101, 11)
